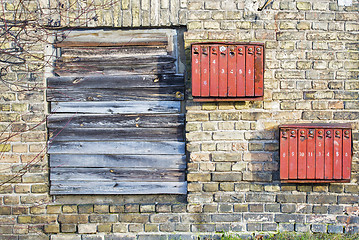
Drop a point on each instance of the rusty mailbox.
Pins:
(312, 153)
(227, 71)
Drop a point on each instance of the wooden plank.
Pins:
(113, 51)
(117, 174)
(132, 60)
(116, 134)
(93, 70)
(112, 38)
(88, 68)
(108, 44)
(128, 147)
(117, 107)
(119, 161)
(116, 82)
(66, 95)
(115, 121)
(69, 187)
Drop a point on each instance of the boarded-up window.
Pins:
(116, 124)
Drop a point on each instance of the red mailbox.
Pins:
(312, 153)
(227, 71)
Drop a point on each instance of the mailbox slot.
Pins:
(312, 153)
(227, 71)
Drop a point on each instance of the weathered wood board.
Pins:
(117, 107)
(102, 38)
(116, 174)
(127, 147)
(95, 187)
(113, 51)
(115, 120)
(116, 81)
(81, 69)
(118, 161)
(142, 94)
(115, 134)
(109, 60)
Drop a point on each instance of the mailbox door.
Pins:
(223, 84)
(204, 71)
(258, 71)
(232, 63)
(213, 75)
(241, 71)
(293, 152)
(196, 71)
(249, 71)
(302, 154)
(338, 154)
(311, 154)
(347, 153)
(328, 162)
(319, 154)
(284, 148)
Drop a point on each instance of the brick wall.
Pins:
(311, 76)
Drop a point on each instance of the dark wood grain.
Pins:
(117, 174)
(118, 161)
(128, 147)
(135, 94)
(116, 134)
(108, 44)
(117, 107)
(113, 51)
(94, 187)
(115, 120)
(116, 81)
(80, 69)
(115, 59)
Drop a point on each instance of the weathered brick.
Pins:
(286, 227)
(319, 228)
(87, 208)
(132, 208)
(87, 228)
(257, 176)
(299, 227)
(200, 177)
(68, 228)
(292, 218)
(104, 227)
(226, 157)
(322, 199)
(147, 208)
(103, 218)
(71, 218)
(317, 115)
(119, 228)
(320, 209)
(303, 6)
(335, 229)
(260, 197)
(348, 199)
(226, 177)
